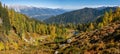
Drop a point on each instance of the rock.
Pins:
(95, 37)
(111, 31)
(56, 52)
(62, 45)
(102, 32)
(106, 34)
(0, 21)
(97, 32)
(69, 41)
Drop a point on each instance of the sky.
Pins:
(65, 4)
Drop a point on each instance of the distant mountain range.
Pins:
(59, 16)
(38, 13)
(84, 15)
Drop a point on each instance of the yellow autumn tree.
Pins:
(1, 46)
(91, 26)
(105, 18)
(100, 25)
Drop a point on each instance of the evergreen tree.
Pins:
(1, 9)
(5, 19)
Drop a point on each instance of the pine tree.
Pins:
(11, 16)
(110, 12)
(6, 20)
(0, 9)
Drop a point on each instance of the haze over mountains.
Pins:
(39, 13)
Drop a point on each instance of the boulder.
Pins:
(56, 52)
(69, 41)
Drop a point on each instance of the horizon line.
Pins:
(81, 7)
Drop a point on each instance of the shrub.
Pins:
(1, 46)
(58, 39)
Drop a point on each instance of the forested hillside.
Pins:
(85, 15)
(17, 31)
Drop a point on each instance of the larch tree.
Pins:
(91, 26)
(110, 16)
(105, 18)
(100, 25)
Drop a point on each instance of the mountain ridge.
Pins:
(84, 15)
(39, 13)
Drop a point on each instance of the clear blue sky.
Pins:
(66, 4)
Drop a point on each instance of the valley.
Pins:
(39, 13)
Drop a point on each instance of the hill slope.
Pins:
(105, 40)
(85, 15)
(102, 40)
